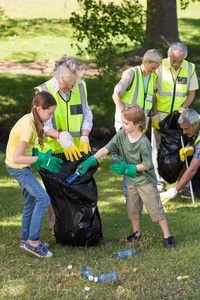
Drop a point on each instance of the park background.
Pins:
(34, 34)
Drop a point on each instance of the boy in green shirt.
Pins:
(135, 149)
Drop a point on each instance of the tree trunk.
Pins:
(162, 24)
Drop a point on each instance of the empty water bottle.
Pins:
(109, 277)
(87, 273)
(73, 178)
(125, 253)
(115, 159)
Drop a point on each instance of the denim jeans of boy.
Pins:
(36, 202)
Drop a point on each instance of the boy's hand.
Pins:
(124, 169)
(169, 194)
(84, 166)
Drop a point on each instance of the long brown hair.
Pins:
(45, 100)
(135, 114)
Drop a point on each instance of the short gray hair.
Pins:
(178, 47)
(67, 66)
(153, 55)
(188, 115)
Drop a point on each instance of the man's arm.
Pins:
(154, 106)
(189, 99)
(189, 173)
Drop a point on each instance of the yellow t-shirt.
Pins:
(23, 130)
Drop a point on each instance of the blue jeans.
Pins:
(36, 202)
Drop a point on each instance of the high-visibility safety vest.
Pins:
(136, 93)
(198, 139)
(172, 94)
(67, 116)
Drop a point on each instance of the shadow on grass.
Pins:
(34, 27)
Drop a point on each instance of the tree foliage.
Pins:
(1, 12)
(105, 28)
(185, 3)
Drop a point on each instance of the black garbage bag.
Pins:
(169, 163)
(78, 220)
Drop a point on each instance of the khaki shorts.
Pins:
(146, 194)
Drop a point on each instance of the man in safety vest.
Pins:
(175, 90)
(189, 122)
(137, 87)
(72, 119)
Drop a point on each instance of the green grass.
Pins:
(39, 30)
(24, 276)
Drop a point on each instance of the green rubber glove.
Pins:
(124, 169)
(35, 152)
(84, 166)
(46, 161)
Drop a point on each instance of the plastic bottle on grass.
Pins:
(87, 273)
(109, 277)
(125, 253)
(115, 159)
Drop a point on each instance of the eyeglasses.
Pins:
(69, 82)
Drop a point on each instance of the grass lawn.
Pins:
(39, 30)
(150, 274)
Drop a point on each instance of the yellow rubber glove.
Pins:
(187, 151)
(84, 144)
(146, 127)
(72, 151)
(66, 141)
(164, 199)
(155, 122)
(169, 194)
(144, 130)
(181, 109)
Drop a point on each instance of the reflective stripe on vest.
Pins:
(198, 139)
(67, 116)
(136, 92)
(167, 101)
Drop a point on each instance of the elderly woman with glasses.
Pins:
(72, 119)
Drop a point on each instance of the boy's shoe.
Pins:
(40, 251)
(22, 244)
(133, 236)
(169, 242)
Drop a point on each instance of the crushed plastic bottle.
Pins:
(115, 159)
(109, 277)
(87, 273)
(125, 253)
(180, 277)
